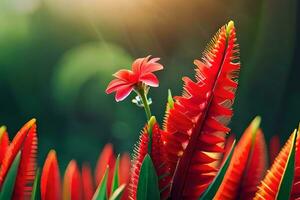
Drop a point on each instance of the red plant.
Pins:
(271, 185)
(247, 166)
(50, 178)
(196, 127)
(158, 156)
(78, 185)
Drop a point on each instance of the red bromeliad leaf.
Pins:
(27, 166)
(107, 157)
(72, 182)
(295, 193)
(50, 178)
(158, 157)
(14, 148)
(124, 173)
(4, 142)
(233, 185)
(256, 168)
(274, 148)
(140, 152)
(196, 127)
(159, 161)
(87, 182)
(272, 183)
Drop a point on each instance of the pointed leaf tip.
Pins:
(230, 26)
(170, 99)
(148, 181)
(115, 180)
(100, 193)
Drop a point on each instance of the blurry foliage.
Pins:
(56, 58)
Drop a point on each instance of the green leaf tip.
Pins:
(170, 100)
(2, 129)
(115, 182)
(148, 181)
(100, 193)
(229, 26)
(255, 126)
(151, 121)
(288, 176)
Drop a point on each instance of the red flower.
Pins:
(141, 72)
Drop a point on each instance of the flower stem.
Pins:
(144, 98)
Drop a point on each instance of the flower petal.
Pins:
(124, 74)
(138, 65)
(151, 66)
(114, 85)
(150, 79)
(123, 92)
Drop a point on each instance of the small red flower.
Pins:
(141, 72)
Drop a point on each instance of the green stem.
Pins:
(143, 96)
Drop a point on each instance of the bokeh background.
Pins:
(57, 57)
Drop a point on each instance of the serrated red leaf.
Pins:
(14, 148)
(295, 193)
(256, 168)
(242, 160)
(269, 187)
(27, 166)
(198, 121)
(159, 161)
(72, 182)
(50, 178)
(140, 151)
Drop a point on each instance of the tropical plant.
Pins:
(193, 155)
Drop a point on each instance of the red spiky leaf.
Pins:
(269, 187)
(295, 193)
(159, 161)
(140, 151)
(158, 157)
(72, 182)
(87, 182)
(50, 178)
(107, 157)
(27, 166)
(4, 143)
(239, 164)
(124, 173)
(14, 148)
(256, 168)
(274, 148)
(196, 126)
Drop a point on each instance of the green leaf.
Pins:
(115, 181)
(100, 193)
(214, 186)
(170, 104)
(117, 193)
(35, 195)
(2, 130)
(288, 176)
(9, 182)
(148, 182)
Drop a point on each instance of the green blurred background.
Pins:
(57, 57)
